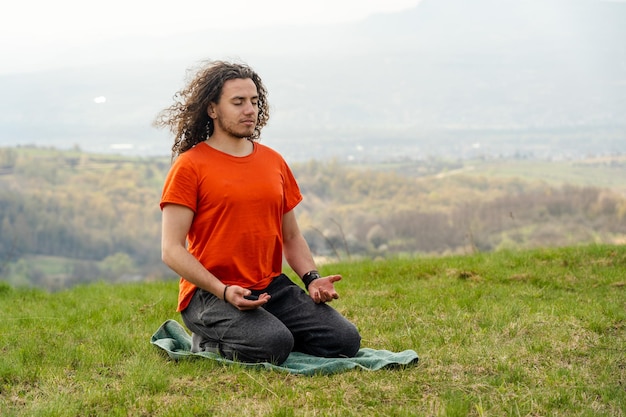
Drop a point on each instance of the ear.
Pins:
(211, 111)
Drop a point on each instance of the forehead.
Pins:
(239, 87)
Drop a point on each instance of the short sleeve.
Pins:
(181, 185)
(292, 193)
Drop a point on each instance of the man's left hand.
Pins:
(322, 290)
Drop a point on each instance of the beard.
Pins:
(236, 130)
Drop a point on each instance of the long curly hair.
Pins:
(188, 119)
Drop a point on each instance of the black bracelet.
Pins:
(224, 296)
(309, 277)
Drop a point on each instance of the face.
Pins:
(237, 112)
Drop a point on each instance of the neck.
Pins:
(231, 145)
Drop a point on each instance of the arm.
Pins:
(176, 223)
(299, 258)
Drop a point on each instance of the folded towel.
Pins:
(173, 338)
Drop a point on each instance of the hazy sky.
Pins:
(96, 73)
(36, 28)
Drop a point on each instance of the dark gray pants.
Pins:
(291, 320)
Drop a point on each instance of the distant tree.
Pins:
(377, 236)
(117, 264)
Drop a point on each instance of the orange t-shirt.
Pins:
(239, 204)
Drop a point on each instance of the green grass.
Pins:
(532, 333)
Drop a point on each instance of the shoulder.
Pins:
(267, 152)
(191, 154)
(190, 158)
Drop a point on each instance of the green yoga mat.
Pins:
(174, 339)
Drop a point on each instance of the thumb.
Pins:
(334, 278)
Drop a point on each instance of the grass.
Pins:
(530, 333)
(595, 172)
(601, 172)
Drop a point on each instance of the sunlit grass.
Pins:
(512, 333)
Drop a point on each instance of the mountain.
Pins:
(448, 77)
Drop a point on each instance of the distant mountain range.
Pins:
(448, 77)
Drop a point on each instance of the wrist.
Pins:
(309, 277)
(224, 296)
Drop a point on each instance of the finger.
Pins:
(251, 305)
(334, 278)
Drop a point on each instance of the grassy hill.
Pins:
(536, 332)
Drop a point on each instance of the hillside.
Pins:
(68, 217)
(528, 333)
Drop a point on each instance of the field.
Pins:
(602, 172)
(525, 333)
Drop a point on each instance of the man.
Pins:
(228, 218)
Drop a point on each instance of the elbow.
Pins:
(166, 255)
(165, 258)
(291, 237)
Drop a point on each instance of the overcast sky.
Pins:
(30, 30)
(96, 73)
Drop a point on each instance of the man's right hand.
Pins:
(235, 295)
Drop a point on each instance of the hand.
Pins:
(322, 290)
(235, 296)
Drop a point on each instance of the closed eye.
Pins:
(241, 101)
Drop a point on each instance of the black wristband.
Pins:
(309, 277)
(224, 296)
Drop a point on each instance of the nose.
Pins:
(249, 108)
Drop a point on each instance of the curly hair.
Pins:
(188, 119)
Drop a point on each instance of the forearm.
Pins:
(179, 260)
(177, 220)
(298, 255)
